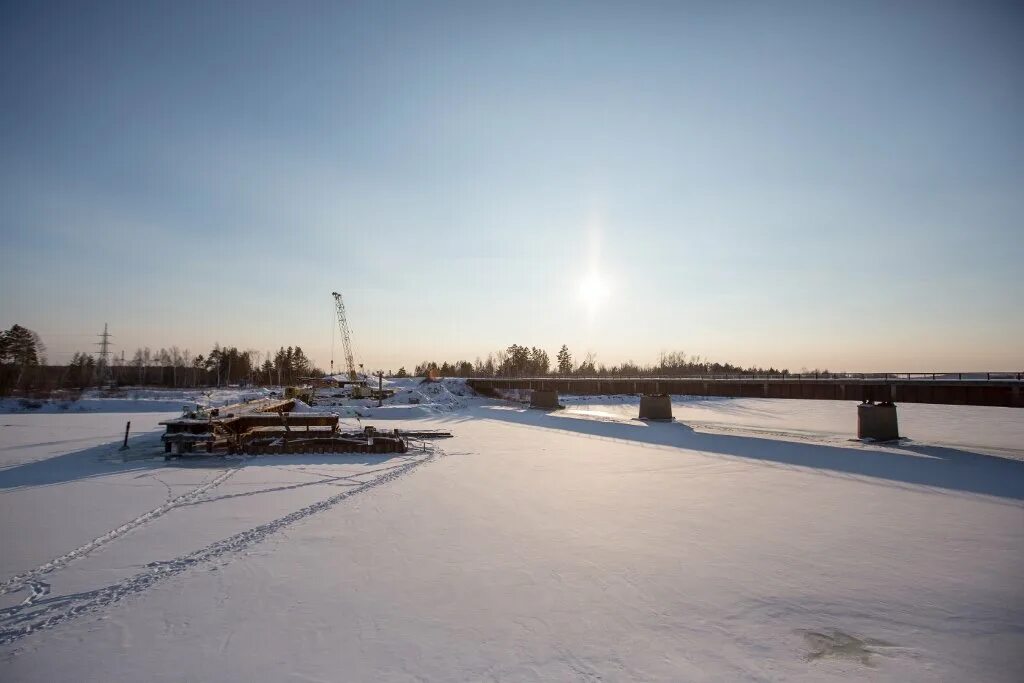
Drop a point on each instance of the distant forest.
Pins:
(523, 361)
(23, 367)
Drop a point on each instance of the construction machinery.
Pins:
(262, 430)
(346, 340)
(305, 394)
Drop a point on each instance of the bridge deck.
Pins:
(975, 392)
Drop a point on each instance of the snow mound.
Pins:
(443, 395)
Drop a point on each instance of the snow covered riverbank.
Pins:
(749, 540)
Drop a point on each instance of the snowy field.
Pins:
(749, 540)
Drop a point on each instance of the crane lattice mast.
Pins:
(346, 337)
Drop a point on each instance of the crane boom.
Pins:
(346, 336)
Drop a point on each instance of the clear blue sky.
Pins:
(791, 184)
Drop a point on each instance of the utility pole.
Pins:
(380, 388)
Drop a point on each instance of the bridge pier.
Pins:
(655, 407)
(877, 421)
(547, 400)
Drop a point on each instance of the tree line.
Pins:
(23, 367)
(222, 365)
(523, 361)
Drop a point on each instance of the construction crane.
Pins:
(346, 336)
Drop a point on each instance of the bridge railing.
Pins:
(987, 376)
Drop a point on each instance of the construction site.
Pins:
(298, 422)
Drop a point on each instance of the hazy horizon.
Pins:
(794, 185)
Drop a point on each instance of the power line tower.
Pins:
(103, 373)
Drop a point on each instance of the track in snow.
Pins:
(47, 612)
(25, 579)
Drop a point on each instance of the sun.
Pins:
(593, 291)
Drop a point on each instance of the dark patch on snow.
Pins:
(834, 643)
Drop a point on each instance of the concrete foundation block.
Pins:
(656, 407)
(877, 421)
(544, 399)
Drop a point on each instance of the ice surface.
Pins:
(749, 540)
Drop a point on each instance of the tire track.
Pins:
(25, 579)
(274, 489)
(356, 479)
(42, 614)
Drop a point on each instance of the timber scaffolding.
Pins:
(271, 427)
(977, 389)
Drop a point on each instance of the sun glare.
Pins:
(593, 291)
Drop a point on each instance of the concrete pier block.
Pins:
(877, 421)
(655, 407)
(544, 399)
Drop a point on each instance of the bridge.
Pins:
(877, 394)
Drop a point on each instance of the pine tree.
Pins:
(564, 361)
(21, 354)
(81, 370)
(539, 363)
(20, 346)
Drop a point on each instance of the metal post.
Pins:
(126, 428)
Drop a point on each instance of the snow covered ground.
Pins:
(134, 401)
(749, 540)
(990, 430)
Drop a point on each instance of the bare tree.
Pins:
(139, 361)
(176, 362)
(186, 359)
